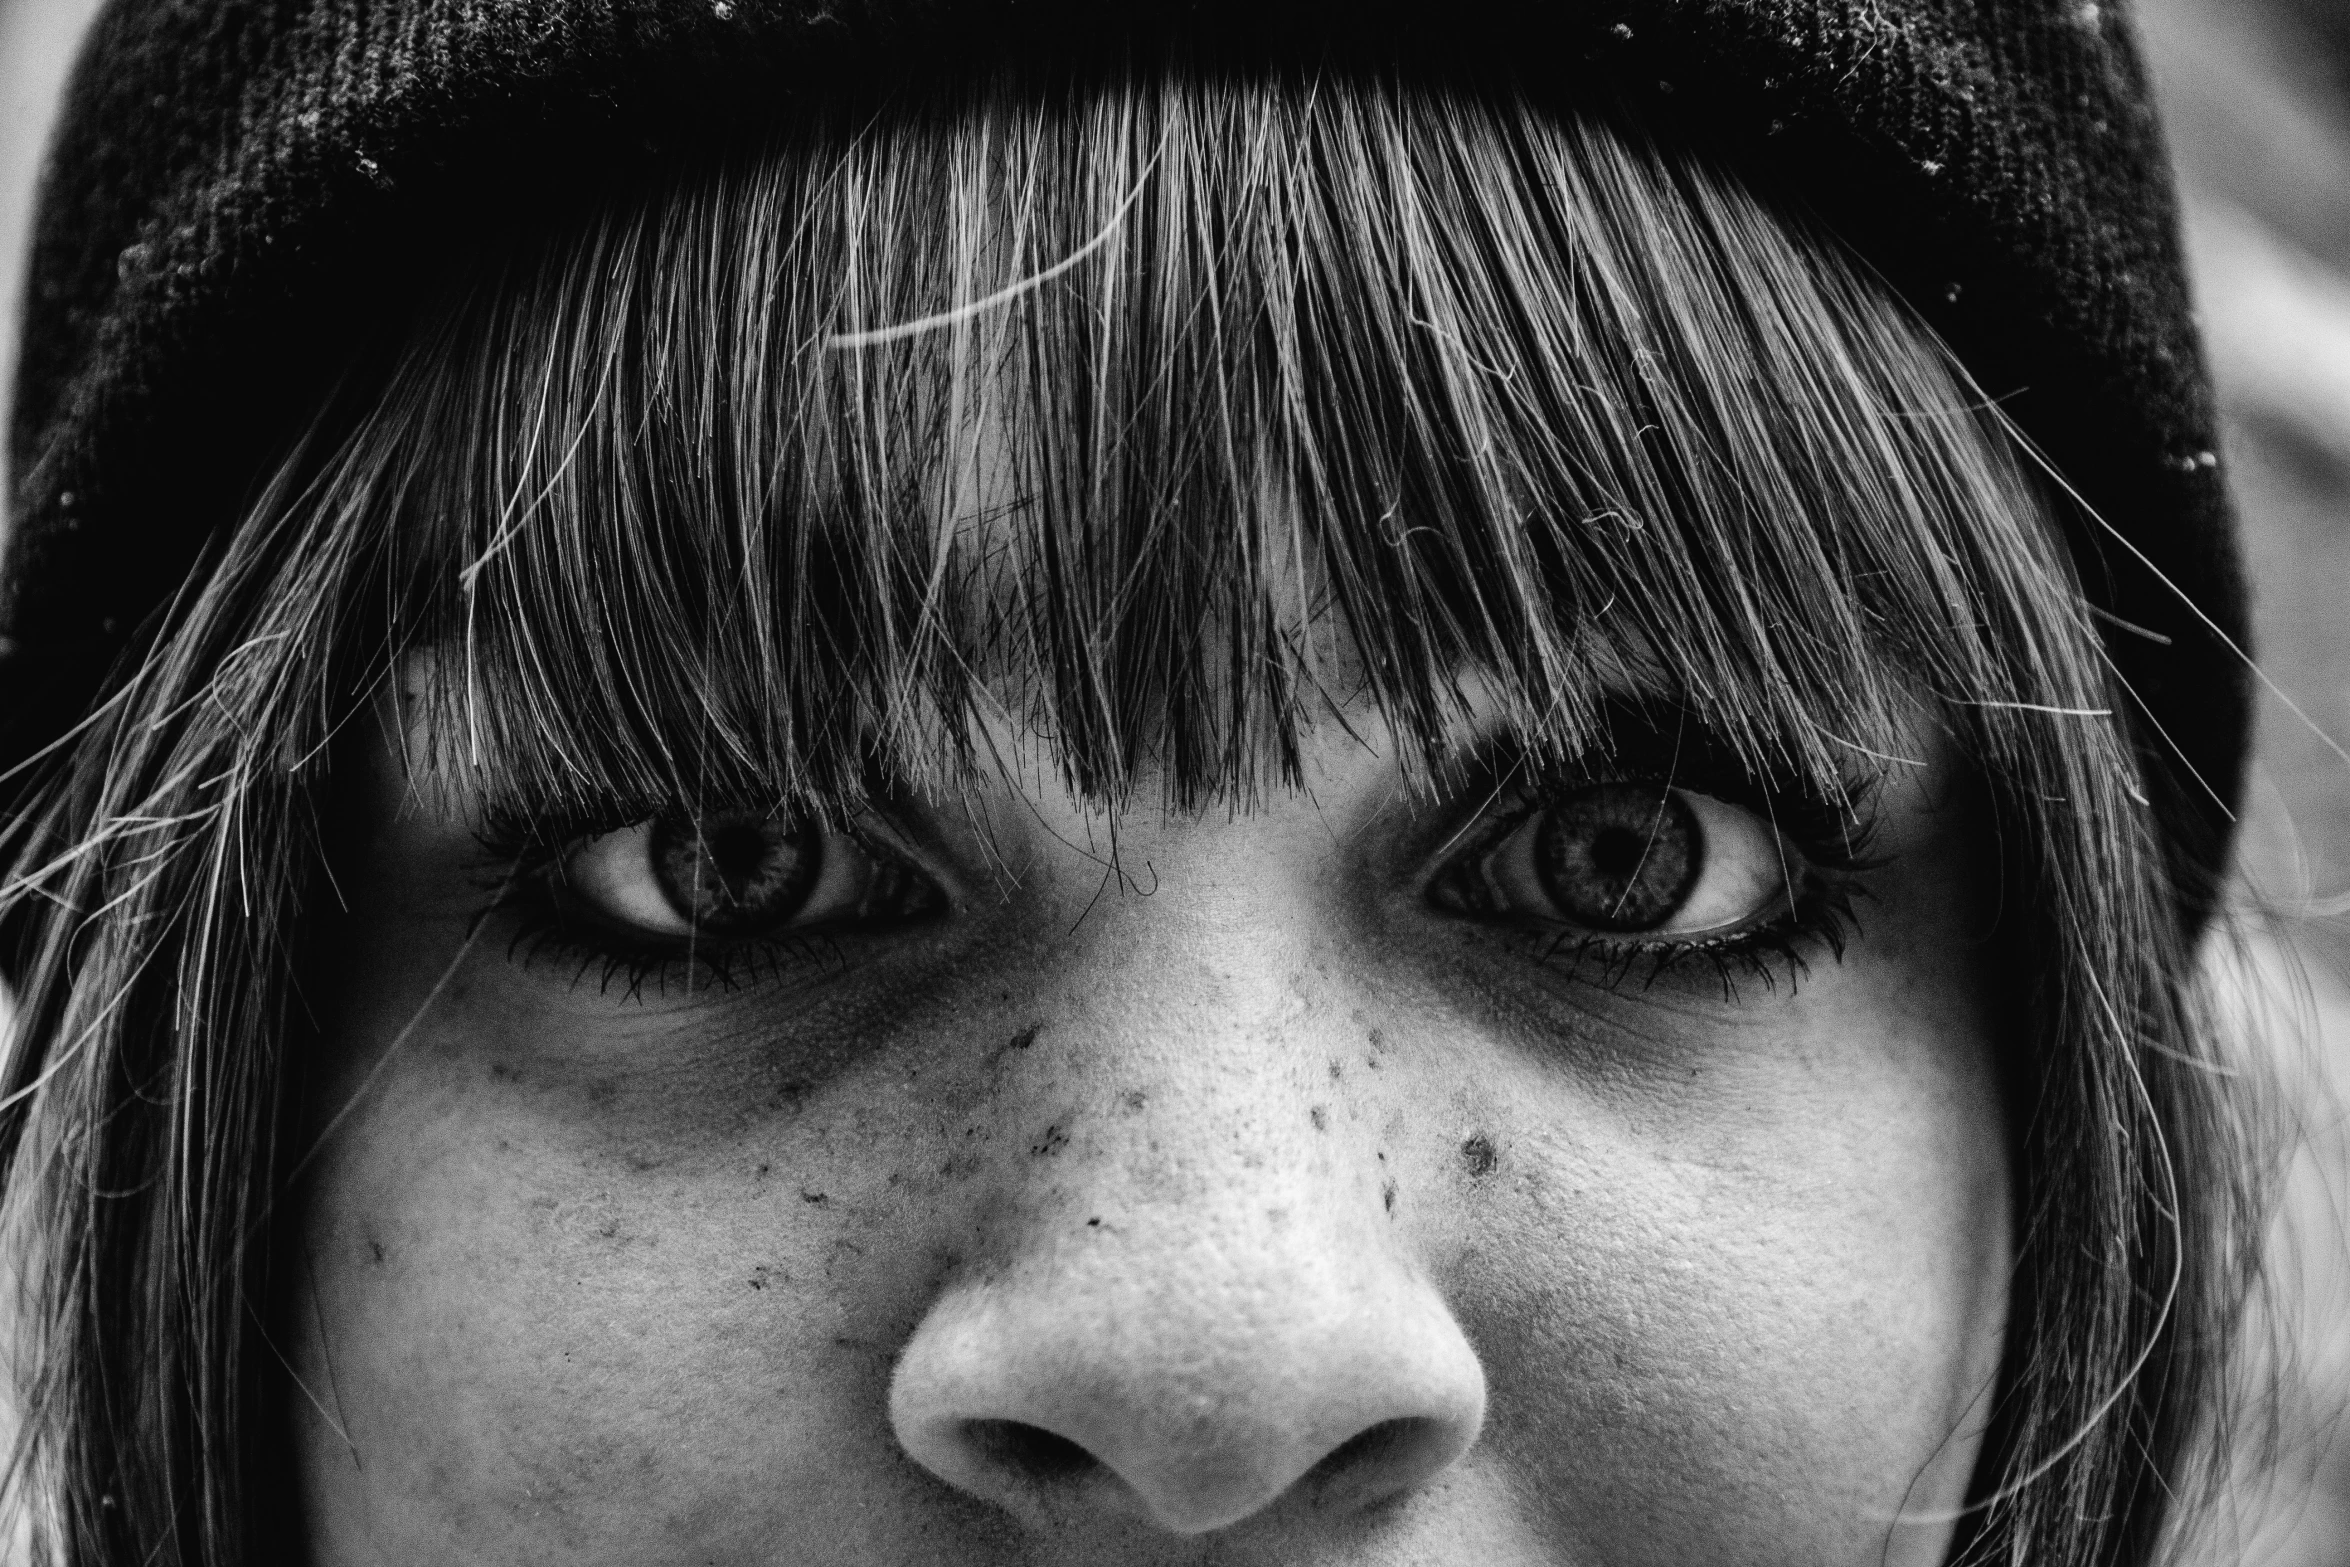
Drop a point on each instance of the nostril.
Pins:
(1371, 1445)
(1380, 1461)
(1030, 1452)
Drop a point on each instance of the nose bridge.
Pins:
(1182, 1131)
(1187, 1094)
(1188, 1299)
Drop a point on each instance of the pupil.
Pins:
(1617, 852)
(737, 852)
(735, 873)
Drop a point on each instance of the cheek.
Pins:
(1785, 1272)
(545, 1322)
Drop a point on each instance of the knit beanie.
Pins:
(235, 183)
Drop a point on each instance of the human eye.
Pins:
(716, 897)
(1636, 875)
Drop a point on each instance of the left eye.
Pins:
(1632, 859)
(733, 874)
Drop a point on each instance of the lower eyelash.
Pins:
(542, 937)
(516, 882)
(1782, 949)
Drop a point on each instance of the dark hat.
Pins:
(235, 182)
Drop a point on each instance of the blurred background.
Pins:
(2257, 98)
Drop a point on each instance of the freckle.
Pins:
(819, 1199)
(1377, 1039)
(1053, 1141)
(1135, 1099)
(1387, 1193)
(763, 1169)
(377, 1247)
(602, 1092)
(1337, 1069)
(1019, 1041)
(1093, 1224)
(1478, 1157)
(1321, 1118)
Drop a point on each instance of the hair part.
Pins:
(1129, 410)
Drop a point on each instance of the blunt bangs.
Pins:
(1161, 418)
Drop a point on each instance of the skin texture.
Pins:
(1205, 1167)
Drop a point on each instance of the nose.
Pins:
(1194, 1384)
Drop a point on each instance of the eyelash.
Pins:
(523, 861)
(543, 935)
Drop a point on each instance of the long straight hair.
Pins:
(692, 496)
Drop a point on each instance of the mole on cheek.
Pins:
(1478, 1156)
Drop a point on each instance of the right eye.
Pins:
(729, 875)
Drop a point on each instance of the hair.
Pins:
(689, 496)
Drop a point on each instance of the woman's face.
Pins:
(1321, 1183)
